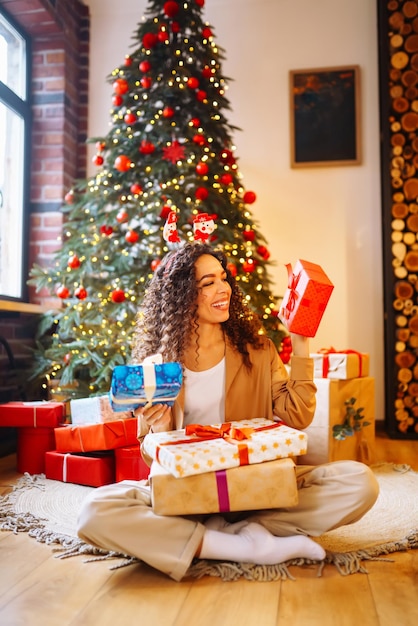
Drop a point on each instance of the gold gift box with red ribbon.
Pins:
(198, 449)
(340, 364)
(269, 485)
(306, 297)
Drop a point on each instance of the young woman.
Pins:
(195, 313)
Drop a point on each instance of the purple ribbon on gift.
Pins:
(222, 487)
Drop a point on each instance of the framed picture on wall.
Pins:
(325, 116)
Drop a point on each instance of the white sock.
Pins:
(255, 544)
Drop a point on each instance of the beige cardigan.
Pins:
(264, 391)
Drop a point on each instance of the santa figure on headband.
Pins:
(203, 226)
(170, 233)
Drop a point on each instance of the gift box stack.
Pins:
(36, 423)
(99, 447)
(340, 376)
(242, 465)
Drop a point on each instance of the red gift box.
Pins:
(306, 298)
(34, 414)
(129, 464)
(32, 444)
(91, 437)
(93, 470)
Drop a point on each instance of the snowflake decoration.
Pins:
(174, 152)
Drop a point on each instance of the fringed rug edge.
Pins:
(346, 563)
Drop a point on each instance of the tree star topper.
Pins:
(174, 152)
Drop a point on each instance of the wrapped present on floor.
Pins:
(331, 396)
(151, 382)
(91, 469)
(198, 449)
(305, 299)
(32, 444)
(129, 464)
(92, 437)
(341, 365)
(32, 414)
(267, 485)
(94, 410)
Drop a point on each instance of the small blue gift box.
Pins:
(137, 385)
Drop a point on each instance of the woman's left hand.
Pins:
(157, 417)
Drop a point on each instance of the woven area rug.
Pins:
(48, 510)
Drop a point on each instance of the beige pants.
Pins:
(119, 517)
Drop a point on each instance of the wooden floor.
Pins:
(37, 589)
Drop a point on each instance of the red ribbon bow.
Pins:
(292, 283)
(231, 434)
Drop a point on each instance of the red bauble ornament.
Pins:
(155, 263)
(207, 72)
(232, 269)
(132, 236)
(249, 266)
(168, 112)
(149, 40)
(97, 160)
(195, 122)
(106, 230)
(201, 193)
(100, 146)
(136, 188)
(199, 140)
(175, 27)
(249, 197)
(201, 95)
(200, 3)
(128, 60)
(120, 86)
(146, 82)
(122, 163)
(263, 252)
(226, 179)
(74, 262)
(171, 8)
(202, 169)
(163, 36)
(62, 292)
(193, 82)
(122, 216)
(145, 66)
(227, 157)
(146, 147)
(117, 101)
(118, 295)
(69, 197)
(130, 118)
(80, 293)
(206, 32)
(249, 235)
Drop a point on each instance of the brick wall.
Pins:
(59, 31)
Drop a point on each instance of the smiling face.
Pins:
(214, 290)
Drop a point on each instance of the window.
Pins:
(15, 114)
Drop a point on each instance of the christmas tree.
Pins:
(166, 173)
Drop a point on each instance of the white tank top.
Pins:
(204, 395)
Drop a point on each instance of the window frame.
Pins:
(23, 108)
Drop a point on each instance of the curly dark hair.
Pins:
(168, 315)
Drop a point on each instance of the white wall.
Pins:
(328, 215)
